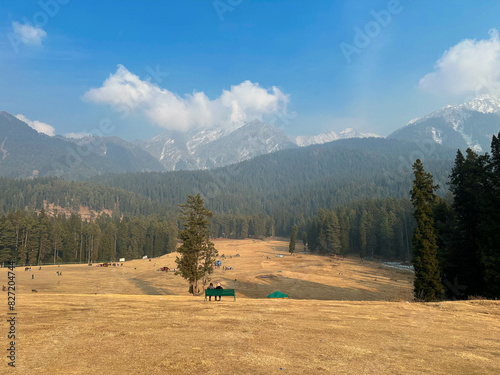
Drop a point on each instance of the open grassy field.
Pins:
(344, 316)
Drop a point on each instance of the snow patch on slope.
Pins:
(330, 136)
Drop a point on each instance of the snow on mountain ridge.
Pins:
(330, 136)
(456, 114)
(470, 124)
(211, 148)
(483, 104)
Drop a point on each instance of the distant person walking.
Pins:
(211, 286)
(218, 287)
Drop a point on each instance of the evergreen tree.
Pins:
(57, 238)
(293, 239)
(304, 239)
(41, 234)
(468, 184)
(492, 224)
(7, 241)
(474, 255)
(427, 284)
(197, 251)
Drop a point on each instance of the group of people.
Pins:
(211, 286)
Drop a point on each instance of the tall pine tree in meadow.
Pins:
(197, 251)
(427, 284)
(293, 239)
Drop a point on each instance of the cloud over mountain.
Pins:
(241, 103)
(471, 67)
(39, 126)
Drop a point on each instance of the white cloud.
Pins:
(239, 104)
(28, 34)
(40, 127)
(470, 67)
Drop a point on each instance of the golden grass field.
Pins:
(343, 317)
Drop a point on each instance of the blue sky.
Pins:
(153, 65)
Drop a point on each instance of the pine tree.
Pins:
(7, 241)
(56, 236)
(491, 237)
(469, 187)
(197, 251)
(427, 284)
(293, 239)
(41, 234)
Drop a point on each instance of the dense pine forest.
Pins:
(372, 228)
(288, 183)
(469, 229)
(36, 238)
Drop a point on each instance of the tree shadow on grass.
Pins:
(148, 289)
(304, 289)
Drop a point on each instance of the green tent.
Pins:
(277, 294)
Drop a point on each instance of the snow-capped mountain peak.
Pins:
(212, 148)
(483, 104)
(465, 125)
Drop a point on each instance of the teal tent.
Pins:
(277, 294)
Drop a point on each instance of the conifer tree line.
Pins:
(371, 228)
(242, 226)
(35, 238)
(457, 246)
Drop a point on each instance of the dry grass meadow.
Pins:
(343, 317)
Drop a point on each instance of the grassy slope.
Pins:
(126, 329)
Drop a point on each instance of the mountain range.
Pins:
(26, 153)
(208, 149)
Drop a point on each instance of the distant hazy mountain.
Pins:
(470, 124)
(215, 148)
(177, 150)
(253, 139)
(331, 136)
(127, 156)
(26, 153)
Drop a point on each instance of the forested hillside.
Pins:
(344, 185)
(289, 183)
(296, 182)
